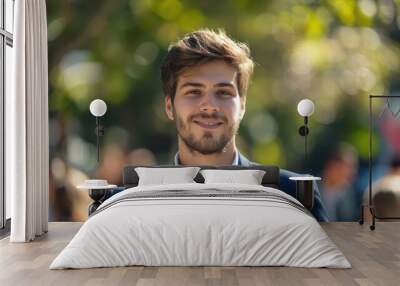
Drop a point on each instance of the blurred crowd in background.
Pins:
(334, 52)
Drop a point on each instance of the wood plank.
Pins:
(374, 255)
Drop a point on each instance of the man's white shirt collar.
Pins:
(234, 162)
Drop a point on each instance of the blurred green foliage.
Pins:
(333, 52)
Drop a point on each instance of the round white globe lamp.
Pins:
(305, 107)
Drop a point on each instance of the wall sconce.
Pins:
(98, 108)
(305, 108)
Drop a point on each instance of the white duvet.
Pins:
(246, 225)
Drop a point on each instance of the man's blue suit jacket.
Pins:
(289, 187)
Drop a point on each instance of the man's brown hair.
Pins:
(203, 46)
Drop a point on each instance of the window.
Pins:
(6, 45)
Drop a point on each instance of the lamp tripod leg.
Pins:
(372, 210)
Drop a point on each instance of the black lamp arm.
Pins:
(303, 131)
(99, 131)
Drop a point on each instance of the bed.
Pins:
(201, 224)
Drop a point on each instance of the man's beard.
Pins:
(208, 143)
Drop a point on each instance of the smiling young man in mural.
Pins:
(205, 78)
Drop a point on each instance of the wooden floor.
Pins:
(374, 255)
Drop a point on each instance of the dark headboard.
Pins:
(270, 179)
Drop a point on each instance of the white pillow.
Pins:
(162, 176)
(249, 177)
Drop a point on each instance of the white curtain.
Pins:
(27, 124)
